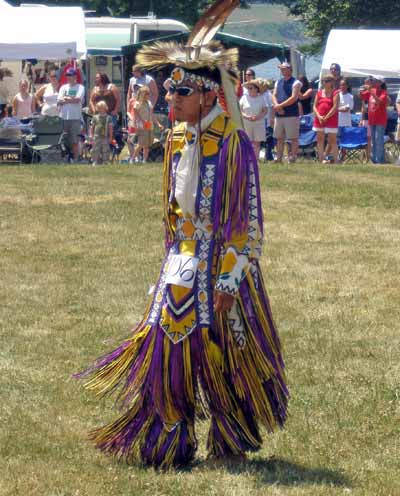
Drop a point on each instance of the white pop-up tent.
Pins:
(41, 32)
(363, 52)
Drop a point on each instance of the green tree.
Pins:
(320, 16)
(187, 11)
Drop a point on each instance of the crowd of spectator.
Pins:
(271, 112)
(330, 107)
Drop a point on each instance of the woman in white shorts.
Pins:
(253, 108)
(326, 118)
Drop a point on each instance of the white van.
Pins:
(110, 33)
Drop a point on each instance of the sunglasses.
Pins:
(181, 90)
(328, 81)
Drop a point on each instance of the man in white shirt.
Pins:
(70, 100)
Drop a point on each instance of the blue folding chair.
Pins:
(307, 137)
(353, 144)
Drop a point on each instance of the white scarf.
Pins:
(187, 170)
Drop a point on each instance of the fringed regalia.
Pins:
(183, 360)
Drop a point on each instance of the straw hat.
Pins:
(259, 83)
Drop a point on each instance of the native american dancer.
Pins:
(207, 345)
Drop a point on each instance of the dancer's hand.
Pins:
(222, 301)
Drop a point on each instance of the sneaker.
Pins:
(278, 160)
(94, 164)
(292, 160)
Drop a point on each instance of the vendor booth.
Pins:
(31, 34)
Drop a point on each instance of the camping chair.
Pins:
(307, 138)
(353, 144)
(392, 142)
(46, 141)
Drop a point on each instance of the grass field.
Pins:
(79, 249)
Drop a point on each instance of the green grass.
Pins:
(79, 249)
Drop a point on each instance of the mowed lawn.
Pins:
(79, 249)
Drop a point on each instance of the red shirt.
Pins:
(377, 113)
(324, 105)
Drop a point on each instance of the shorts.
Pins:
(255, 130)
(145, 137)
(287, 127)
(72, 129)
(326, 130)
(100, 150)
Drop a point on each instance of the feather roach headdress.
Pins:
(203, 61)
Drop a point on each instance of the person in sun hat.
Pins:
(254, 109)
(286, 109)
(207, 344)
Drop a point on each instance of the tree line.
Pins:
(318, 16)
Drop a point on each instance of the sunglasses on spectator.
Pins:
(328, 80)
(181, 90)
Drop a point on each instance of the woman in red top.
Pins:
(378, 100)
(326, 118)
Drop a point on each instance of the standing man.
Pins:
(207, 340)
(138, 79)
(287, 123)
(70, 100)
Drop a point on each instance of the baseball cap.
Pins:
(70, 72)
(285, 65)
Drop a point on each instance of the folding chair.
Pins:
(46, 141)
(353, 144)
(307, 138)
(392, 144)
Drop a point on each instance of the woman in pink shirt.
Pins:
(23, 103)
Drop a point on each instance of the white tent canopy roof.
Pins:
(41, 32)
(363, 52)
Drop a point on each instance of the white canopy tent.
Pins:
(41, 32)
(363, 52)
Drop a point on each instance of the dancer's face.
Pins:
(187, 107)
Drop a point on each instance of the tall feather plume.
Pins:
(209, 23)
(162, 54)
